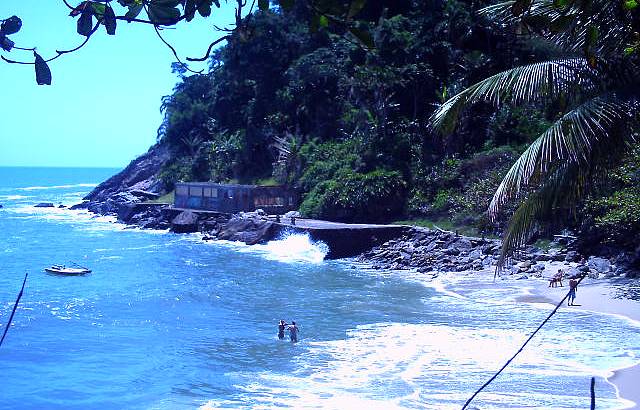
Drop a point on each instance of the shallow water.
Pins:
(167, 321)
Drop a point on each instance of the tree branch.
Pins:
(209, 49)
(173, 50)
(60, 52)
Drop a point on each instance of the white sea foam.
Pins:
(41, 188)
(430, 366)
(290, 248)
(13, 197)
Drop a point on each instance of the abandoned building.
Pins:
(230, 198)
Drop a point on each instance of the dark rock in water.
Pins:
(61, 206)
(0, 205)
(81, 205)
(249, 230)
(44, 205)
(185, 222)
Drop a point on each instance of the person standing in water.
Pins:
(281, 326)
(293, 332)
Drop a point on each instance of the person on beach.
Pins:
(573, 285)
(293, 332)
(281, 326)
(555, 279)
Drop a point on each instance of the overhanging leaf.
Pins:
(43, 73)
(190, 8)
(11, 25)
(205, 8)
(5, 43)
(164, 12)
(133, 12)
(109, 20)
(98, 9)
(263, 5)
(79, 8)
(85, 22)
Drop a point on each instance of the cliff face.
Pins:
(138, 181)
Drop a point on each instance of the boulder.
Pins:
(452, 251)
(248, 230)
(600, 265)
(572, 256)
(185, 222)
(44, 205)
(541, 257)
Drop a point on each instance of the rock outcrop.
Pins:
(438, 251)
(138, 182)
(185, 222)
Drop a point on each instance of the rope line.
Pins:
(15, 306)
(522, 347)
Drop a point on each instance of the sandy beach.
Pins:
(609, 296)
(605, 296)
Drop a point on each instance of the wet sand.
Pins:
(596, 295)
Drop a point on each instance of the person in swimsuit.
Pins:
(281, 326)
(573, 284)
(293, 332)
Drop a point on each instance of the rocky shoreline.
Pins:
(429, 251)
(433, 251)
(127, 196)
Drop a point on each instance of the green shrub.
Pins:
(353, 197)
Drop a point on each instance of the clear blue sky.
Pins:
(102, 109)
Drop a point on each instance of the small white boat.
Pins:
(64, 270)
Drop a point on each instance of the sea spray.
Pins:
(294, 247)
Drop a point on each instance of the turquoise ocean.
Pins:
(167, 321)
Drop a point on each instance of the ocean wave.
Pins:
(398, 365)
(290, 248)
(40, 188)
(13, 197)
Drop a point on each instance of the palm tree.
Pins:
(596, 80)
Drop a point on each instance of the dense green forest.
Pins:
(350, 126)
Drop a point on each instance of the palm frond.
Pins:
(560, 190)
(533, 82)
(571, 139)
(573, 26)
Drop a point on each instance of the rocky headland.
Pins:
(127, 195)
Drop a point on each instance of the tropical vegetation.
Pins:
(513, 117)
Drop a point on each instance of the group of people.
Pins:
(292, 328)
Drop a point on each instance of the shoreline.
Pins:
(593, 295)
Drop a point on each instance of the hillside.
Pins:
(349, 127)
